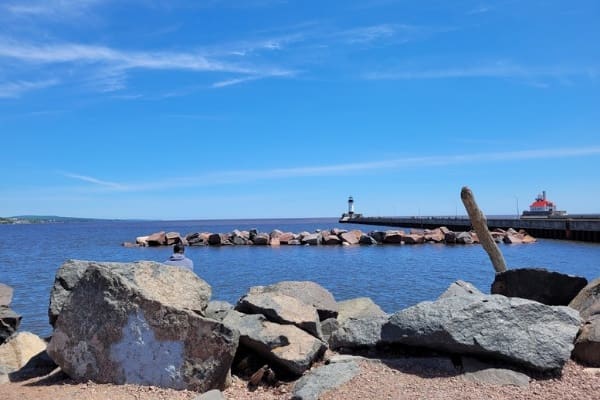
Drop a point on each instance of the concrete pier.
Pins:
(584, 228)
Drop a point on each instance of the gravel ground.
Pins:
(377, 380)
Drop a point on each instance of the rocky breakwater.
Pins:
(328, 237)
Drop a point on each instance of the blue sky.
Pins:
(273, 108)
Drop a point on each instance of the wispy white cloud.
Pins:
(50, 8)
(17, 88)
(244, 176)
(95, 181)
(69, 52)
(106, 69)
(369, 34)
(480, 10)
(237, 81)
(500, 70)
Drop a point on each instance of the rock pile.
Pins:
(328, 237)
(151, 324)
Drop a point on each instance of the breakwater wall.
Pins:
(582, 228)
(333, 236)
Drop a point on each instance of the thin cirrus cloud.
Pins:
(49, 7)
(95, 181)
(241, 176)
(485, 71)
(17, 88)
(110, 66)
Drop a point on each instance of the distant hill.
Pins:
(42, 219)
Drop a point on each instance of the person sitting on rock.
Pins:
(178, 259)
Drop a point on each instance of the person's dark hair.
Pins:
(178, 248)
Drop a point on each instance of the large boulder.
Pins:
(9, 323)
(394, 237)
(6, 293)
(461, 288)
(140, 323)
(217, 309)
(414, 238)
(516, 330)
(366, 239)
(351, 237)
(358, 333)
(307, 292)
(282, 309)
(69, 274)
(9, 320)
(587, 344)
(312, 385)
(587, 301)
(19, 349)
(361, 307)
(286, 346)
(313, 239)
(359, 324)
(539, 284)
(157, 239)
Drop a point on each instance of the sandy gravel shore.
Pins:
(377, 380)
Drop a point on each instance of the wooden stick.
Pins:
(479, 222)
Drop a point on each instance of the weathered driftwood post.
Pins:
(479, 222)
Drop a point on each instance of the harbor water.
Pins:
(394, 276)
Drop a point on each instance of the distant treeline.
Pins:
(41, 219)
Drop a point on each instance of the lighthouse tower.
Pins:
(350, 206)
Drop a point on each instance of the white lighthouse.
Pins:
(350, 206)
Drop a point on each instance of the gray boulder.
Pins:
(358, 324)
(539, 284)
(211, 395)
(313, 239)
(217, 309)
(9, 320)
(138, 323)
(361, 307)
(9, 323)
(413, 238)
(587, 301)
(464, 238)
(329, 326)
(307, 292)
(379, 236)
(351, 237)
(286, 346)
(461, 288)
(516, 330)
(366, 239)
(65, 280)
(6, 293)
(489, 374)
(587, 344)
(312, 385)
(69, 274)
(282, 309)
(358, 333)
(394, 237)
(261, 239)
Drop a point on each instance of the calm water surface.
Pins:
(393, 276)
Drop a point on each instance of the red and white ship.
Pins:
(542, 207)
